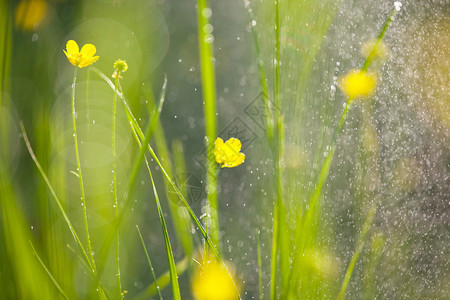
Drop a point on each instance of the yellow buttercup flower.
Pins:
(213, 282)
(358, 84)
(120, 66)
(30, 14)
(82, 58)
(227, 154)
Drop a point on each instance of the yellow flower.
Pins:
(212, 282)
(82, 58)
(120, 66)
(358, 84)
(30, 14)
(227, 154)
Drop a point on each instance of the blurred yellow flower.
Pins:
(376, 49)
(82, 58)
(120, 66)
(29, 14)
(213, 282)
(227, 154)
(358, 84)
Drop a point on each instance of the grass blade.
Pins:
(172, 268)
(163, 280)
(359, 248)
(52, 191)
(209, 98)
(58, 287)
(149, 263)
(258, 247)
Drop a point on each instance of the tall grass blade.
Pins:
(260, 281)
(267, 104)
(172, 268)
(181, 222)
(181, 176)
(359, 248)
(53, 280)
(149, 263)
(52, 191)
(209, 98)
(163, 280)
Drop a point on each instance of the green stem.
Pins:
(53, 280)
(379, 38)
(260, 281)
(150, 264)
(267, 104)
(359, 248)
(87, 98)
(209, 97)
(276, 151)
(85, 258)
(114, 170)
(80, 174)
(323, 175)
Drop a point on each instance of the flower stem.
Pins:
(80, 174)
(114, 181)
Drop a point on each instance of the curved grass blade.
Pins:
(85, 257)
(163, 280)
(58, 202)
(53, 280)
(172, 269)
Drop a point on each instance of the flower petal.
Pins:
(234, 144)
(88, 51)
(236, 161)
(72, 48)
(88, 62)
(69, 57)
(218, 151)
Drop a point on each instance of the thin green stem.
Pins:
(80, 174)
(379, 38)
(260, 281)
(114, 181)
(53, 280)
(170, 258)
(276, 151)
(267, 104)
(85, 258)
(359, 248)
(87, 98)
(163, 280)
(323, 175)
(209, 98)
(149, 263)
